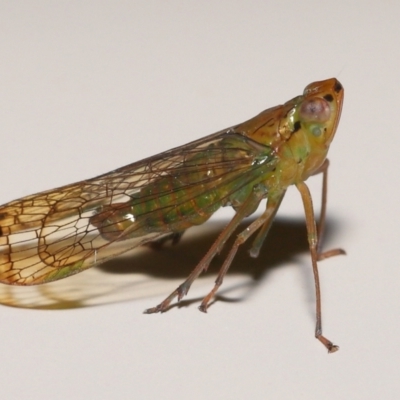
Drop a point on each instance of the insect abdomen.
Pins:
(173, 203)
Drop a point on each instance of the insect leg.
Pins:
(157, 244)
(256, 196)
(321, 223)
(312, 236)
(263, 232)
(265, 220)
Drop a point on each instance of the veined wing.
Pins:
(48, 236)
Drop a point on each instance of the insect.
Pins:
(57, 233)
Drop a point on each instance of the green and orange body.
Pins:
(275, 152)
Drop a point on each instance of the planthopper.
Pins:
(57, 233)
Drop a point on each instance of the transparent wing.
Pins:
(49, 235)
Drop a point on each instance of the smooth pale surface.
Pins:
(90, 86)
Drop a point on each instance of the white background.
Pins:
(88, 86)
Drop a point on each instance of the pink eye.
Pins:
(316, 110)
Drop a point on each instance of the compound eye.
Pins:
(315, 110)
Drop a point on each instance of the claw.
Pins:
(203, 308)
